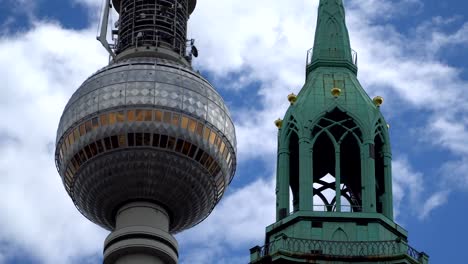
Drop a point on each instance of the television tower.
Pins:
(334, 157)
(146, 146)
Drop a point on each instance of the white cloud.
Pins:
(46, 64)
(410, 195)
(237, 223)
(456, 173)
(434, 201)
(378, 9)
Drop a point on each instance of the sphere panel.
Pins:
(117, 76)
(195, 103)
(168, 95)
(138, 93)
(215, 116)
(110, 96)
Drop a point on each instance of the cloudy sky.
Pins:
(414, 53)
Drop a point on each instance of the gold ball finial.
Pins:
(336, 92)
(292, 98)
(378, 101)
(278, 123)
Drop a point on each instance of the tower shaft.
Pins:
(141, 236)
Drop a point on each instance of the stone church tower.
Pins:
(334, 175)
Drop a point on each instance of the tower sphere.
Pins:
(146, 129)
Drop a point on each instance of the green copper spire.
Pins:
(334, 201)
(332, 47)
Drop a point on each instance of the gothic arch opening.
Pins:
(294, 170)
(350, 168)
(379, 172)
(324, 171)
(337, 163)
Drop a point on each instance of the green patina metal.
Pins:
(334, 158)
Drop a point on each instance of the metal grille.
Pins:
(338, 249)
(153, 23)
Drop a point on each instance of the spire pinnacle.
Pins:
(332, 47)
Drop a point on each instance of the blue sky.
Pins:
(412, 52)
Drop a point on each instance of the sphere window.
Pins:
(76, 133)
(155, 140)
(192, 125)
(82, 130)
(131, 115)
(208, 162)
(175, 119)
(147, 139)
(222, 148)
(88, 126)
(157, 116)
(217, 141)
(75, 165)
(184, 122)
(148, 115)
(104, 118)
(122, 141)
(200, 129)
(95, 122)
(131, 139)
(71, 139)
(78, 161)
(186, 148)
(179, 145)
(87, 151)
(193, 150)
(171, 143)
(112, 118)
(93, 149)
(115, 141)
(163, 142)
(203, 158)
(199, 155)
(139, 115)
(82, 156)
(167, 117)
(225, 153)
(206, 134)
(120, 116)
(212, 137)
(100, 147)
(138, 139)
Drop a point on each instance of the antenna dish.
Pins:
(194, 51)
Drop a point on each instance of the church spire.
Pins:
(332, 47)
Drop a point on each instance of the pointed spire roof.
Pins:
(331, 46)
